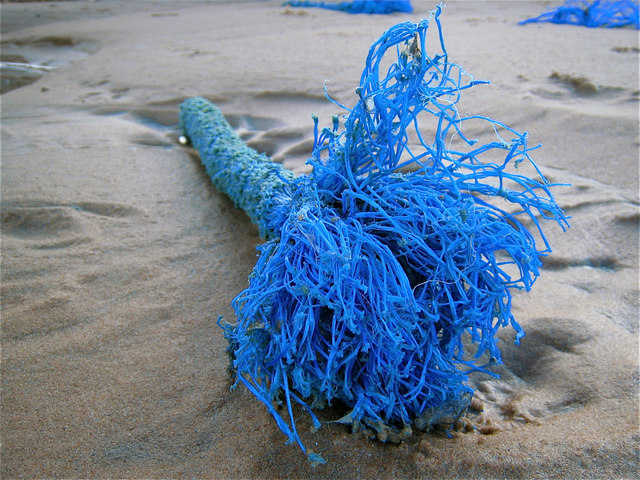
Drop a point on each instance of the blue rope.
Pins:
(373, 276)
(251, 180)
(358, 6)
(599, 13)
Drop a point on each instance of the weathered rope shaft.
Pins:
(250, 179)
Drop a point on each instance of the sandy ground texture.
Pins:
(118, 255)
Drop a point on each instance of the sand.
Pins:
(118, 255)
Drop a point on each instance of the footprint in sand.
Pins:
(46, 227)
(154, 124)
(551, 346)
(57, 226)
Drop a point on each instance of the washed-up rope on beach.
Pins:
(358, 6)
(599, 13)
(389, 269)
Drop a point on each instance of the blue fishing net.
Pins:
(358, 6)
(599, 13)
(390, 267)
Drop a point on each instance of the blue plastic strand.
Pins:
(599, 13)
(358, 6)
(373, 277)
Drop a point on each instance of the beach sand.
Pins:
(118, 255)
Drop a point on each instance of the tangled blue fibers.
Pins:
(358, 6)
(388, 271)
(253, 181)
(600, 13)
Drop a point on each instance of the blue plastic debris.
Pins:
(389, 269)
(358, 6)
(599, 13)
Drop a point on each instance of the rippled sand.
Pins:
(118, 255)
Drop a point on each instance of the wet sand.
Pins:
(118, 255)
